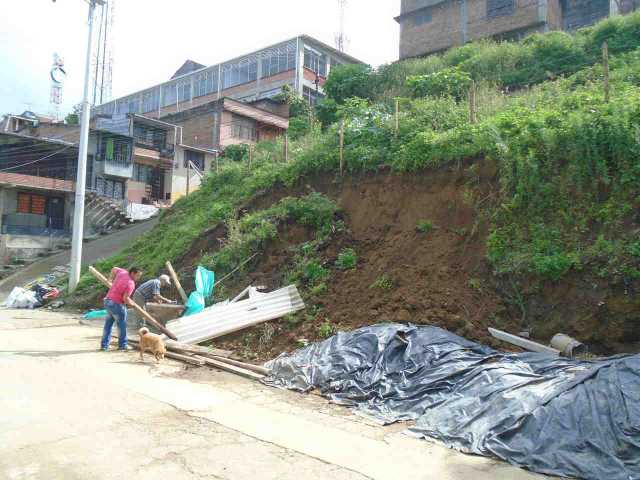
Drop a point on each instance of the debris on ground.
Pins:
(35, 297)
(552, 415)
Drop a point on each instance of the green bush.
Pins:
(347, 81)
(424, 226)
(449, 82)
(383, 282)
(236, 153)
(347, 259)
(326, 330)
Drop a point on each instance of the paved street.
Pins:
(92, 251)
(68, 411)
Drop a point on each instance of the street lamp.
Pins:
(78, 211)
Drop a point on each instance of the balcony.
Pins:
(118, 166)
(33, 181)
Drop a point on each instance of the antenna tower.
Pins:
(103, 57)
(341, 38)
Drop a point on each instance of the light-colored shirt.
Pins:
(122, 284)
(149, 289)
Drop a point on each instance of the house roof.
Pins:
(187, 67)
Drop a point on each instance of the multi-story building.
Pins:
(430, 26)
(303, 63)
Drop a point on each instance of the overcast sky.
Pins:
(152, 38)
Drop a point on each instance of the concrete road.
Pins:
(92, 251)
(70, 412)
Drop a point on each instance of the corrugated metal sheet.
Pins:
(226, 318)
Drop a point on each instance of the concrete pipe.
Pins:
(569, 346)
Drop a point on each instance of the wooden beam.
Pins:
(232, 369)
(193, 360)
(102, 279)
(176, 280)
(195, 349)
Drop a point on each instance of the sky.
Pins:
(152, 38)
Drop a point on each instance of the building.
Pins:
(37, 182)
(303, 63)
(431, 26)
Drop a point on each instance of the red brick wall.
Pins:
(36, 182)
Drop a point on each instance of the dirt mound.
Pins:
(421, 259)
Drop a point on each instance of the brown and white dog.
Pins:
(152, 343)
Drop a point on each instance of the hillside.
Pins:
(525, 217)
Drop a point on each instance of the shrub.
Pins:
(383, 282)
(449, 82)
(326, 330)
(347, 81)
(347, 259)
(236, 153)
(424, 226)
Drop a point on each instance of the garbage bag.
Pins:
(195, 304)
(21, 298)
(204, 280)
(93, 314)
(551, 415)
(45, 293)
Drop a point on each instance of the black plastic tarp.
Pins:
(551, 415)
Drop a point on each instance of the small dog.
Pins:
(152, 343)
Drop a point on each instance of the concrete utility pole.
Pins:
(78, 211)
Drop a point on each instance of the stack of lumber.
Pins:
(211, 357)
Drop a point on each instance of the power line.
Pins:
(34, 161)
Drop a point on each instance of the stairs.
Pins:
(103, 215)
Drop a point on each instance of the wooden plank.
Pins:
(102, 279)
(193, 360)
(232, 369)
(177, 283)
(246, 366)
(195, 349)
(523, 342)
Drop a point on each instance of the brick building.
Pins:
(303, 63)
(430, 26)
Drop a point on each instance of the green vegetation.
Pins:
(567, 161)
(326, 330)
(383, 282)
(424, 226)
(347, 259)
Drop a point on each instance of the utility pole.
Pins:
(78, 211)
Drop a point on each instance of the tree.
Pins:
(74, 117)
(347, 81)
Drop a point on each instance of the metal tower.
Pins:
(341, 38)
(103, 57)
(57, 76)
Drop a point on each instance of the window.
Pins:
(244, 71)
(110, 188)
(184, 90)
(115, 149)
(244, 129)
(315, 61)
(151, 100)
(196, 157)
(142, 173)
(278, 60)
(500, 8)
(168, 94)
(311, 96)
(422, 17)
(205, 83)
(31, 203)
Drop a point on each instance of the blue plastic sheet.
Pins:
(551, 415)
(93, 314)
(204, 280)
